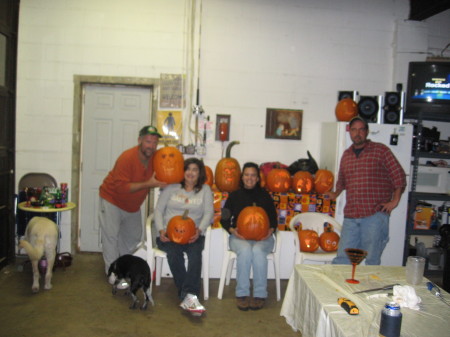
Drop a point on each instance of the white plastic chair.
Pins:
(229, 258)
(155, 256)
(314, 221)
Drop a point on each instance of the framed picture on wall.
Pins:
(169, 124)
(284, 123)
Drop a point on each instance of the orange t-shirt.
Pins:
(116, 186)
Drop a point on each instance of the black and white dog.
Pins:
(137, 272)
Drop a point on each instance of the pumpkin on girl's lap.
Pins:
(181, 228)
(253, 223)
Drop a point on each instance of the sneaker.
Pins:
(243, 303)
(257, 303)
(122, 284)
(192, 304)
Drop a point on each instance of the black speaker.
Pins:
(369, 108)
(393, 107)
(348, 94)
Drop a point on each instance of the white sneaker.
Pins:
(192, 304)
(122, 284)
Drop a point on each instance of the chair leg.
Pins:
(223, 275)
(205, 267)
(276, 267)
(159, 261)
(229, 270)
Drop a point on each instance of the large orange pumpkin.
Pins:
(346, 109)
(323, 181)
(329, 240)
(309, 240)
(278, 180)
(302, 182)
(262, 179)
(209, 176)
(181, 228)
(168, 164)
(228, 172)
(253, 223)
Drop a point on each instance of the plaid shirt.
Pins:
(369, 179)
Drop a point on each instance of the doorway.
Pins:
(108, 115)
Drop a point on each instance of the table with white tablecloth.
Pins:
(310, 303)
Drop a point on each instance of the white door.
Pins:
(112, 118)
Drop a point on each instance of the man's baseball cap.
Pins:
(358, 118)
(149, 130)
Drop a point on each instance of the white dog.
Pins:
(41, 237)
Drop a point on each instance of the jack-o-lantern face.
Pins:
(329, 241)
(279, 180)
(309, 240)
(323, 181)
(228, 173)
(180, 229)
(302, 182)
(253, 223)
(168, 163)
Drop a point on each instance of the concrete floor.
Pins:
(81, 304)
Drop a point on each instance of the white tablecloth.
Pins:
(310, 303)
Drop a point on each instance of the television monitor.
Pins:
(428, 90)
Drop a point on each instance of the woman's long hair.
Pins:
(201, 173)
(256, 167)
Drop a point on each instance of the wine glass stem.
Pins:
(353, 270)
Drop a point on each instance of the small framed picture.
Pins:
(169, 124)
(284, 124)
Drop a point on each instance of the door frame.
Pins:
(79, 82)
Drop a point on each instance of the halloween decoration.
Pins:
(209, 176)
(228, 171)
(253, 223)
(309, 240)
(323, 181)
(269, 166)
(168, 164)
(279, 180)
(309, 165)
(302, 182)
(262, 179)
(329, 240)
(181, 228)
(346, 109)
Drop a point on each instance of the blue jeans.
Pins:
(251, 254)
(187, 281)
(370, 233)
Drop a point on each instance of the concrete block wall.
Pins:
(294, 54)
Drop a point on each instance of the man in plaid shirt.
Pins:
(374, 181)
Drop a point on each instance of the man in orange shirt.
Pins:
(122, 193)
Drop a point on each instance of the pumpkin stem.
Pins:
(228, 150)
(185, 214)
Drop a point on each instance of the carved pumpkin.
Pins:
(323, 181)
(302, 182)
(262, 179)
(168, 164)
(279, 180)
(346, 109)
(217, 209)
(228, 172)
(181, 228)
(329, 240)
(209, 176)
(253, 223)
(309, 240)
